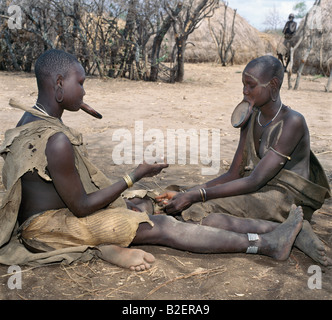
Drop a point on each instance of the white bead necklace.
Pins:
(259, 116)
(42, 110)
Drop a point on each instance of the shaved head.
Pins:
(266, 67)
(52, 63)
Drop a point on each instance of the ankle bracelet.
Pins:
(252, 237)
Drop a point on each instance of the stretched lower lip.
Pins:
(248, 100)
(241, 113)
(85, 107)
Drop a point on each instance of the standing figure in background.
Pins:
(289, 32)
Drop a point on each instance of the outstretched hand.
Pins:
(149, 170)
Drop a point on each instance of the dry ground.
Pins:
(205, 100)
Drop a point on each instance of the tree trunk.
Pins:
(11, 52)
(76, 27)
(303, 62)
(158, 39)
(188, 23)
(329, 82)
(290, 67)
(181, 47)
(128, 35)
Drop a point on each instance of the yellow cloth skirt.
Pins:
(58, 229)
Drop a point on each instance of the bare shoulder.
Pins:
(58, 145)
(294, 116)
(295, 120)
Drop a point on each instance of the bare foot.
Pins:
(133, 259)
(308, 242)
(278, 243)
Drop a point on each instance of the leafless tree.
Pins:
(159, 37)
(329, 81)
(112, 38)
(21, 46)
(223, 37)
(273, 20)
(192, 13)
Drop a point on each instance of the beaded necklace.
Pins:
(259, 116)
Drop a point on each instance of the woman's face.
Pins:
(73, 88)
(255, 91)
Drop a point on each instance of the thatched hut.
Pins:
(320, 24)
(248, 42)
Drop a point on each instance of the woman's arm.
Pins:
(267, 168)
(66, 179)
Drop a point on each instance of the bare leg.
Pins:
(307, 241)
(238, 224)
(133, 259)
(169, 232)
(201, 239)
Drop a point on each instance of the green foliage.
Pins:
(300, 9)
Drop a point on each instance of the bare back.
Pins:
(38, 195)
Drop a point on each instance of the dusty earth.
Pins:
(204, 100)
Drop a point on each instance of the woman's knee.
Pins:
(163, 227)
(213, 220)
(164, 223)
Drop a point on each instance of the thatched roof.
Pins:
(320, 58)
(248, 43)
